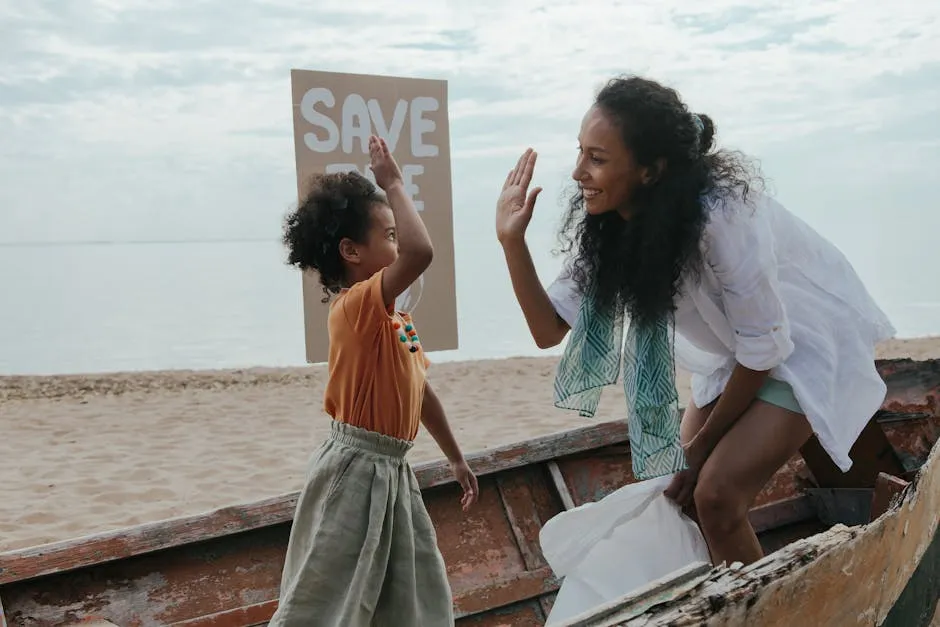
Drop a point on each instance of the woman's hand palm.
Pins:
(514, 207)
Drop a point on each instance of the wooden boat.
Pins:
(859, 548)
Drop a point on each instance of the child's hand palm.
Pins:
(386, 170)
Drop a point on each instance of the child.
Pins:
(362, 547)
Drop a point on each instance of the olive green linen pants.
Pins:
(362, 551)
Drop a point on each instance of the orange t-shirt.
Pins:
(375, 382)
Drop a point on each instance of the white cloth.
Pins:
(775, 295)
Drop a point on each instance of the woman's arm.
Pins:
(737, 396)
(513, 213)
(545, 325)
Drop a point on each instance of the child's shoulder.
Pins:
(362, 304)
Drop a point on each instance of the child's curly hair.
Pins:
(337, 206)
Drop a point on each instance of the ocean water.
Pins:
(71, 308)
(104, 307)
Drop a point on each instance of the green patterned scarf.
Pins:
(592, 360)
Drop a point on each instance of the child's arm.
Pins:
(414, 244)
(435, 421)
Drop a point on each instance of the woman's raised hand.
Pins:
(516, 202)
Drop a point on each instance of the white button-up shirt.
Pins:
(775, 295)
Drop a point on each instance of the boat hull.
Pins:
(223, 568)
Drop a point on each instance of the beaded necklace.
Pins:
(407, 335)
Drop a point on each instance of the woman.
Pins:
(678, 239)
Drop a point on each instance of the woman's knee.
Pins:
(720, 508)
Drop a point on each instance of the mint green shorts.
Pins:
(779, 393)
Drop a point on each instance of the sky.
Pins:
(126, 120)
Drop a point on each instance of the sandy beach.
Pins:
(83, 454)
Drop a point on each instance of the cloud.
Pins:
(176, 115)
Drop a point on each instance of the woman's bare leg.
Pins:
(682, 486)
(693, 419)
(763, 439)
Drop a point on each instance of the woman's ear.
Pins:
(652, 174)
(349, 251)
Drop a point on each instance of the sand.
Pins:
(89, 453)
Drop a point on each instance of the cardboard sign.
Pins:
(334, 114)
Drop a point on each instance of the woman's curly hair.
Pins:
(640, 263)
(337, 206)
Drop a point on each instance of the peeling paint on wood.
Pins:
(60, 556)
(246, 616)
(913, 386)
(887, 490)
(646, 597)
(223, 568)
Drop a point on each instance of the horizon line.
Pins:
(41, 243)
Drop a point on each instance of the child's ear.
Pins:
(348, 250)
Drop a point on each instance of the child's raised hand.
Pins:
(386, 170)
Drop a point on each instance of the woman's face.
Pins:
(606, 170)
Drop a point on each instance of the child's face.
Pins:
(381, 246)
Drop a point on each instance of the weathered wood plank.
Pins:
(523, 518)
(528, 452)
(913, 385)
(523, 614)
(522, 511)
(591, 476)
(159, 589)
(790, 511)
(913, 437)
(480, 545)
(107, 547)
(561, 488)
(247, 616)
(120, 544)
(502, 591)
(546, 602)
(640, 600)
(887, 488)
